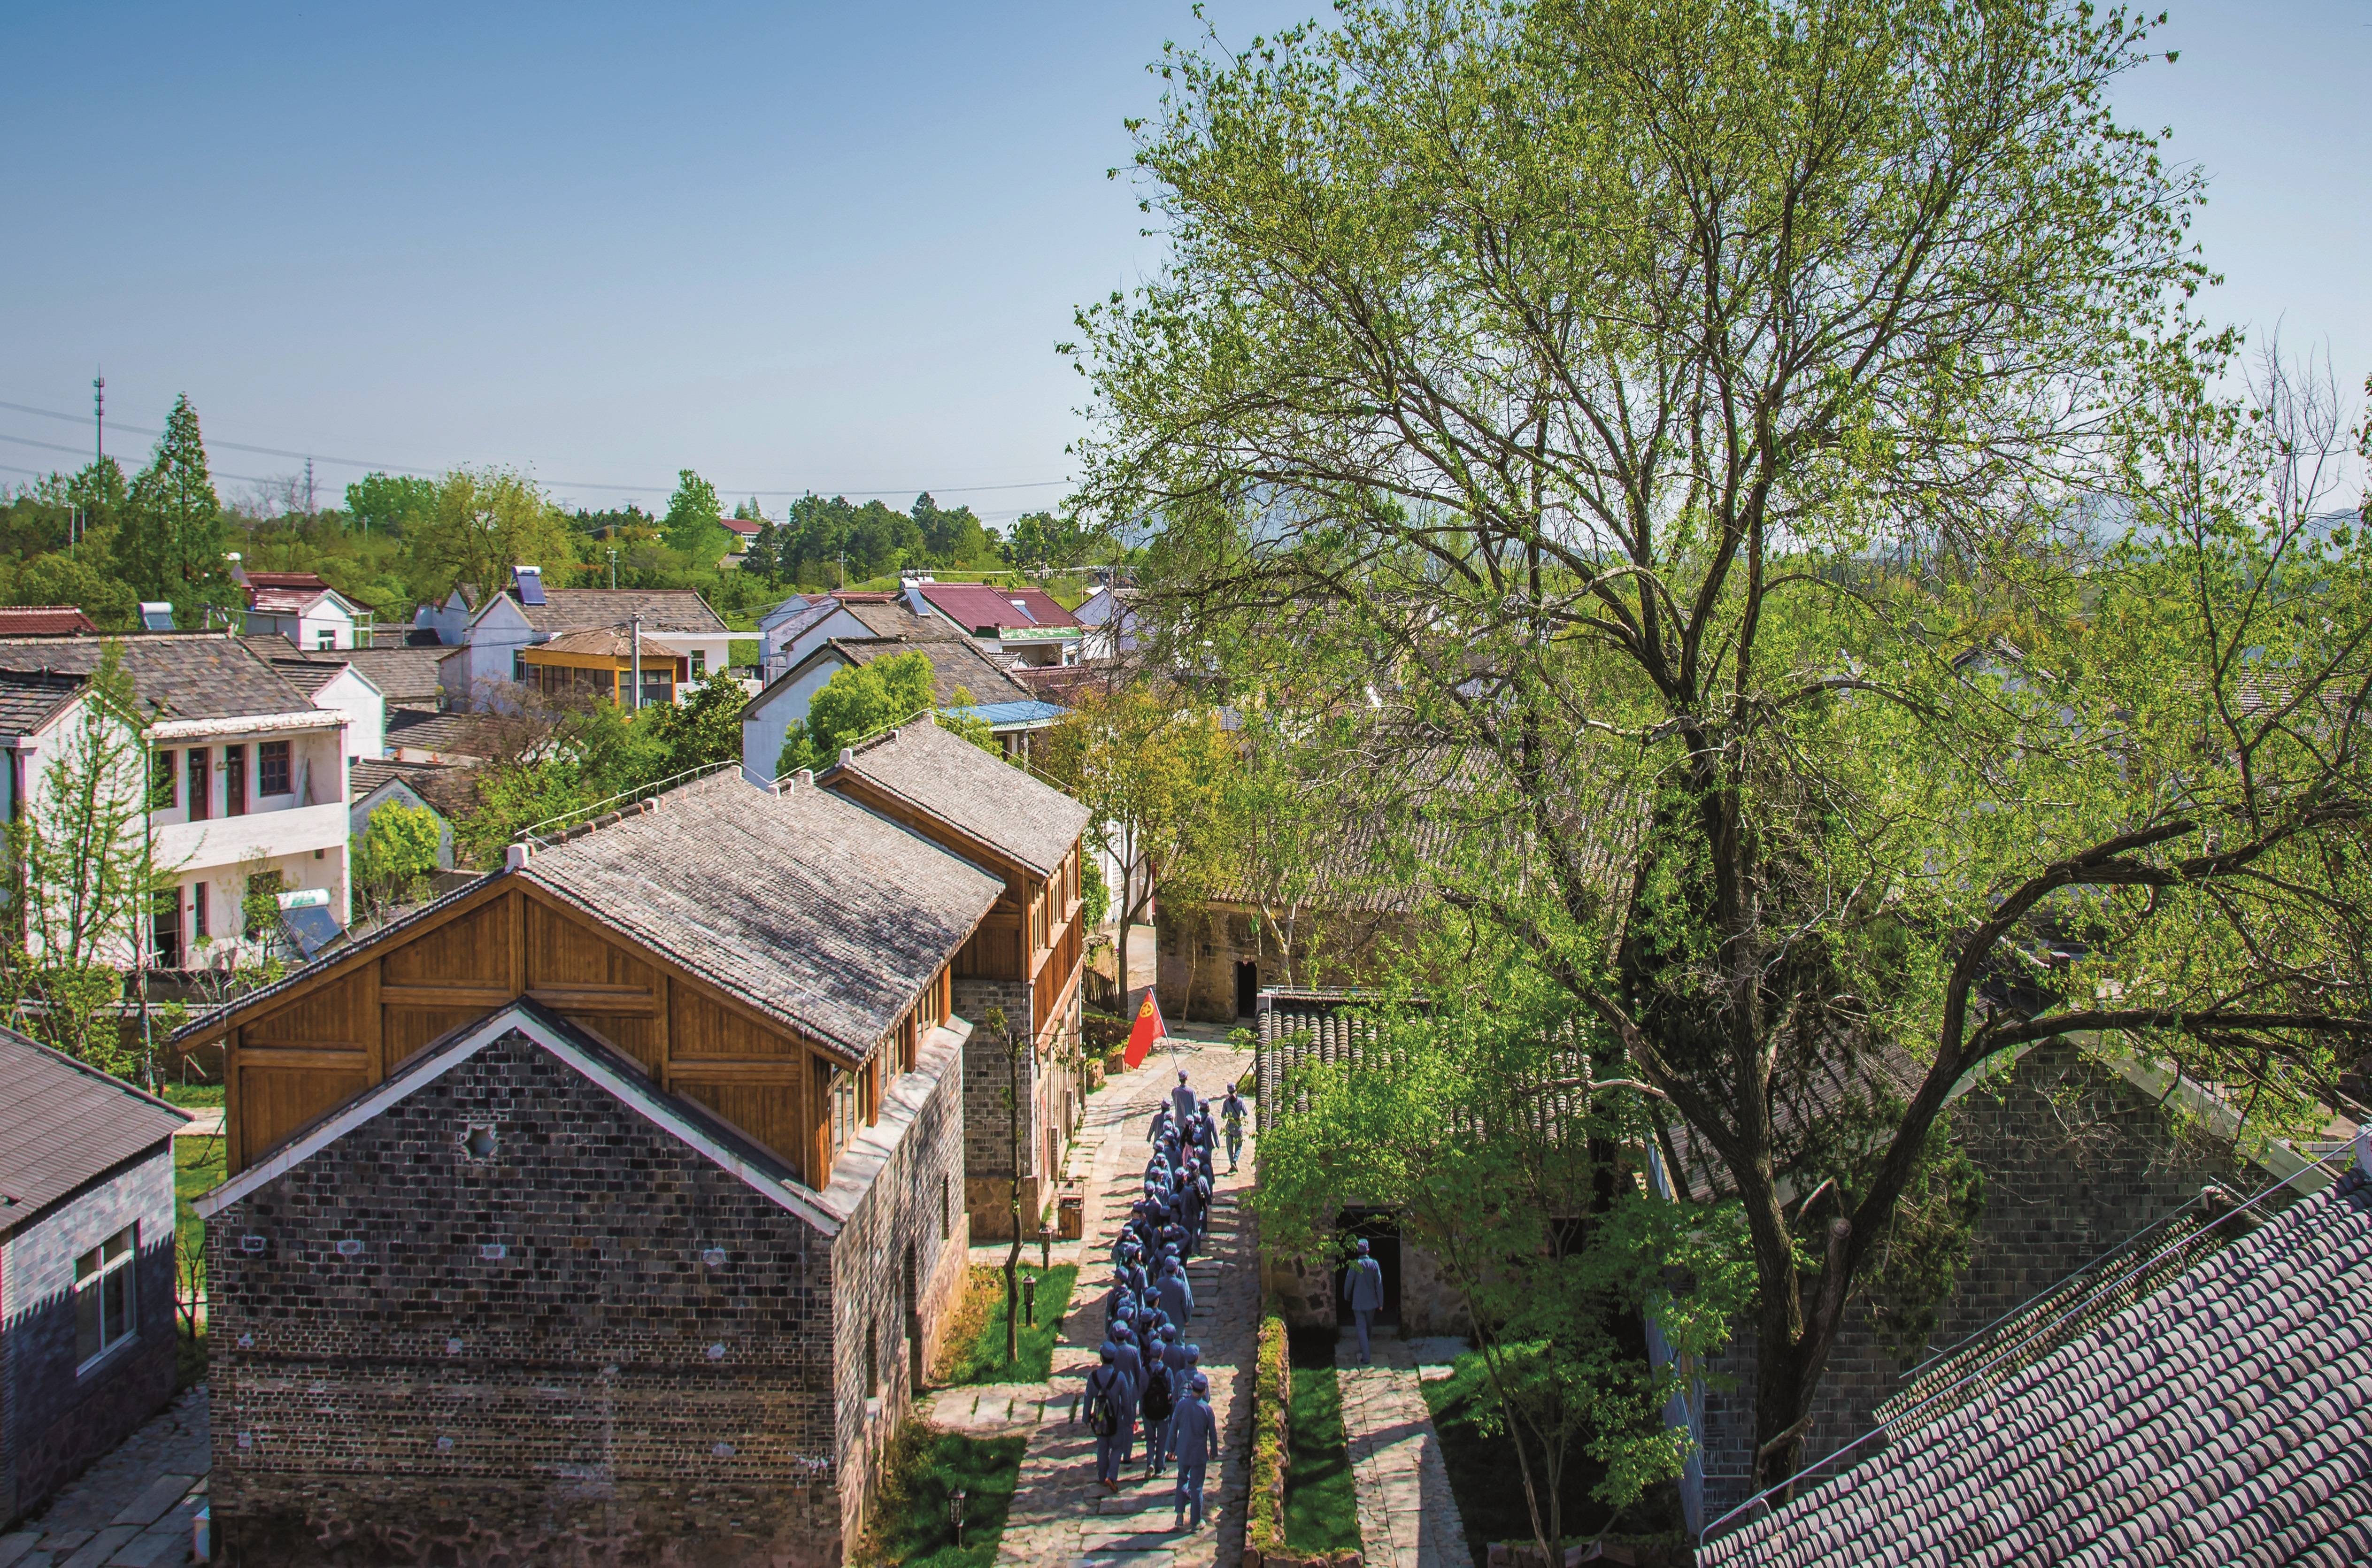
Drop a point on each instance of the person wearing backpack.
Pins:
(1110, 1413)
(1233, 1110)
(1362, 1287)
(1158, 1400)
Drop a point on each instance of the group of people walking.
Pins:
(1149, 1370)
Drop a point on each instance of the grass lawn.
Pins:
(1321, 1512)
(923, 1467)
(192, 1095)
(975, 1351)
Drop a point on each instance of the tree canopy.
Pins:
(170, 545)
(1750, 474)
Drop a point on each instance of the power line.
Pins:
(368, 465)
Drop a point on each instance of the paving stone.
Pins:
(65, 1540)
(1407, 1516)
(159, 1494)
(13, 1548)
(94, 1552)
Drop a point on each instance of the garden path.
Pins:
(1408, 1518)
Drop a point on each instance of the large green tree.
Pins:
(391, 503)
(170, 544)
(484, 522)
(692, 525)
(1692, 433)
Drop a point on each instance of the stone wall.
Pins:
(56, 1416)
(2075, 1160)
(593, 1345)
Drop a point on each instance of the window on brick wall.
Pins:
(947, 1215)
(104, 1308)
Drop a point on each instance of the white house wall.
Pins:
(766, 723)
(365, 712)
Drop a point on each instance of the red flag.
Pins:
(1147, 1031)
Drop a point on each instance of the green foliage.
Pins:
(703, 728)
(1468, 1115)
(1095, 896)
(981, 1358)
(484, 522)
(557, 772)
(920, 1467)
(692, 526)
(392, 504)
(396, 855)
(81, 578)
(858, 700)
(1272, 1436)
(170, 544)
(1040, 540)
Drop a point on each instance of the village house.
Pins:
(333, 683)
(245, 777)
(446, 791)
(961, 676)
(607, 664)
(791, 632)
(87, 1347)
(1023, 624)
(302, 608)
(605, 1208)
(46, 621)
(1025, 960)
(486, 641)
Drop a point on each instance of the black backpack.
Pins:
(1102, 1420)
(1157, 1399)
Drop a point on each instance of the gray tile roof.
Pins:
(983, 795)
(2226, 1419)
(956, 665)
(403, 675)
(448, 788)
(891, 619)
(66, 1123)
(192, 675)
(809, 909)
(29, 702)
(662, 609)
(459, 734)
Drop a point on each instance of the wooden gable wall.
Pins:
(332, 1038)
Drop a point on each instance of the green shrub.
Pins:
(1271, 1398)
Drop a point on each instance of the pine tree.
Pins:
(170, 546)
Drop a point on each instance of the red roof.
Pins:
(286, 580)
(975, 605)
(44, 621)
(749, 526)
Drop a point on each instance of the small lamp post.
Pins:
(1029, 1300)
(957, 1501)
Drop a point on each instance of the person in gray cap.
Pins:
(1194, 1431)
(1182, 1101)
(1112, 1410)
(1362, 1287)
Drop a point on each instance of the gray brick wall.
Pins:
(593, 1345)
(59, 1416)
(988, 1132)
(2075, 1160)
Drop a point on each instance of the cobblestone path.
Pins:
(1408, 1518)
(1061, 1518)
(133, 1508)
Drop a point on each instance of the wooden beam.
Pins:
(234, 1155)
(777, 1071)
(425, 995)
(372, 1015)
(666, 1001)
(300, 1056)
(597, 999)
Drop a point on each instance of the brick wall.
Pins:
(988, 1132)
(593, 1346)
(2075, 1160)
(58, 1416)
(912, 1215)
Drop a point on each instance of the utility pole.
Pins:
(309, 487)
(99, 417)
(613, 568)
(634, 629)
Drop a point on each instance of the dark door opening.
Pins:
(1247, 990)
(1376, 1228)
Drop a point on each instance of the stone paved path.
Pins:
(133, 1508)
(1408, 1518)
(1061, 1518)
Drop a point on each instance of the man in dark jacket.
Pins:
(1112, 1413)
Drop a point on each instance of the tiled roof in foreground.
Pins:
(2226, 1419)
(992, 800)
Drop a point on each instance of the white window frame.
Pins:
(115, 1274)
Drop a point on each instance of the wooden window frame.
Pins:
(274, 759)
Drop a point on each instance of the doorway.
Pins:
(1246, 989)
(1382, 1234)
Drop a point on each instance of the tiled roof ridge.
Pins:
(12, 1037)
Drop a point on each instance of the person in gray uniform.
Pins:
(1110, 1409)
(1176, 1296)
(1362, 1287)
(1195, 1431)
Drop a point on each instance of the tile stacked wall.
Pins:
(56, 1416)
(593, 1343)
(988, 1129)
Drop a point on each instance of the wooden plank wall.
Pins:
(338, 1037)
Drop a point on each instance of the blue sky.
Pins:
(792, 246)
